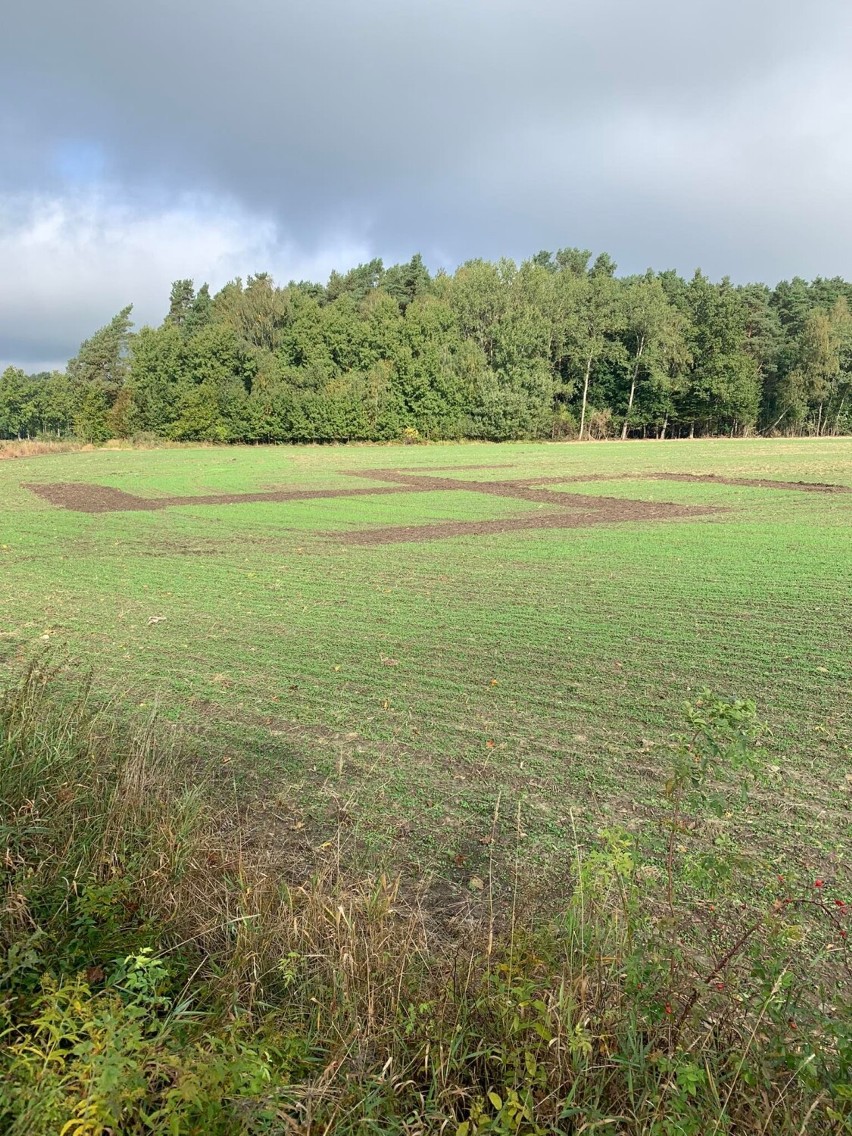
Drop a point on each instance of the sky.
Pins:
(145, 142)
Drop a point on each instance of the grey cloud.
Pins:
(669, 133)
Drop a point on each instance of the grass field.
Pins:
(341, 663)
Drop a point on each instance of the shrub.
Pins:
(157, 976)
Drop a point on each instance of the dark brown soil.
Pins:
(710, 478)
(756, 482)
(83, 497)
(523, 490)
(278, 495)
(86, 498)
(606, 511)
(448, 468)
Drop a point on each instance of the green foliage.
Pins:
(17, 393)
(102, 361)
(91, 422)
(497, 350)
(129, 1059)
(202, 1000)
(656, 354)
(723, 388)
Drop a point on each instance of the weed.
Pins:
(159, 974)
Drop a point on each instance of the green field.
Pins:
(407, 681)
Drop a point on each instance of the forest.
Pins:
(558, 347)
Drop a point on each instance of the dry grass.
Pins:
(364, 1006)
(36, 447)
(32, 448)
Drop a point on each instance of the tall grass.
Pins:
(33, 447)
(159, 974)
(41, 447)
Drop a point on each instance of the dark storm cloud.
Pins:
(667, 132)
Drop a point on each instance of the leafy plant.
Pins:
(156, 976)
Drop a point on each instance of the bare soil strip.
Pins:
(448, 468)
(82, 497)
(615, 511)
(709, 478)
(87, 498)
(278, 495)
(755, 482)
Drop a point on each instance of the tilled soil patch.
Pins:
(447, 468)
(754, 482)
(707, 478)
(611, 511)
(82, 497)
(522, 489)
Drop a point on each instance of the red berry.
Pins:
(818, 883)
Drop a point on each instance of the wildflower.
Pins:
(840, 903)
(819, 883)
(668, 1007)
(720, 985)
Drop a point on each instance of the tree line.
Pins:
(559, 346)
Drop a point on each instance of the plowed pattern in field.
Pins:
(406, 637)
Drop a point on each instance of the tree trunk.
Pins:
(692, 429)
(839, 412)
(819, 421)
(783, 414)
(632, 388)
(663, 431)
(585, 396)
